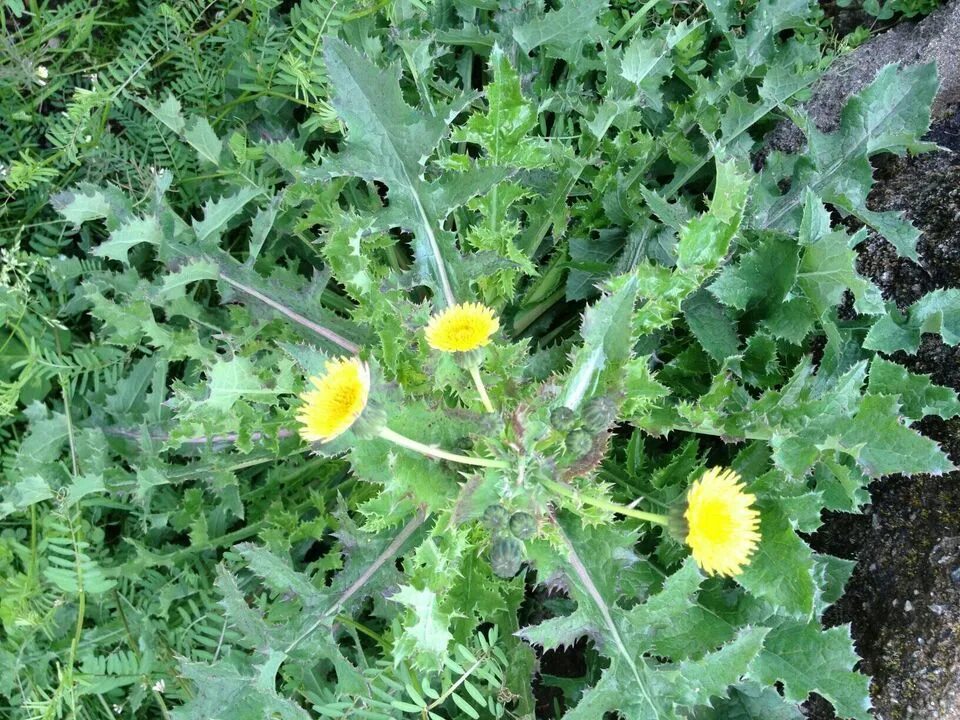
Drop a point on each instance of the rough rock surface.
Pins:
(904, 597)
(935, 38)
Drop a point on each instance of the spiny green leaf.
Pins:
(713, 327)
(129, 235)
(883, 446)
(782, 570)
(605, 344)
(217, 213)
(807, 659)
(425, 640)
(918, 396)
(937, 312)
(646, 61)
(764, 274)
(204, 140)
(828, 269)
(889, 115)
(697, 682)
(562, 32)
(389, 141)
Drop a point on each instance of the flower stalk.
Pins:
(481, 388)
(571, 494)
(435, 452)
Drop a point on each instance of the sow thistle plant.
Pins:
(716, 521)
(495, 350)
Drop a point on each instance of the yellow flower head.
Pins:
(339, 397)
(462, 328)
(722, 526)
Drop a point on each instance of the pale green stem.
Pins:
(481, 388)
(434, 452)
(571, 494)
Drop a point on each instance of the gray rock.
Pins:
(911, 648)
(904, 598)
(936, 37)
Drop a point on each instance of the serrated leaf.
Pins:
(705, 239)
(174, 285)
(24, 493)
(646, 61)
(605, 343)
(130, 234)
(782, 569)
(890, 115)
(764, 274)
(828, 269)
(672, 623)
(918, 396)
(169, 112)
(280, 576)
(807, 659)
(231, 380)
(882, 445)
(388, 140)
(711, 325)
(696, 682)
(640, 387)
(937, 312)
(217, 213)
(425, 640)
(83, 203)
(564, 31)
(504, 129)
(204, 140)
(749, 701)
(223, 690)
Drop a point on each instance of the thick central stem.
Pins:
(434, 452)
(571, 494)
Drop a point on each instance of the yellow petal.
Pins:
(462, 328)
(722, 524)
(337, 400)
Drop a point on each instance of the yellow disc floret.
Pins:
(337, 400)
(722, 525)
(462, 328)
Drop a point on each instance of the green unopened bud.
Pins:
(599, 414)
(496, 517)
(523, 525)
(563, 419)
(506, 556)
(579, 443)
